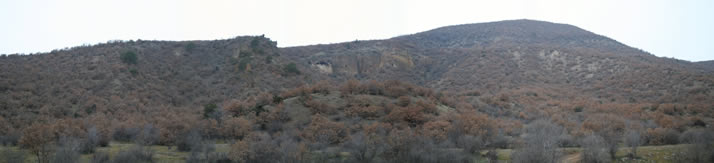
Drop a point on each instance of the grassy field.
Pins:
(659, 154)
(161, 153)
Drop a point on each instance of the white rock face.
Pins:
(325, 68)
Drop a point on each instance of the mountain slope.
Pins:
(187, 74)
(709, 65)
(517, 54)
(496, 59)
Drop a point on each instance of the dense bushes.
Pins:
(264, 148)
(322, 130)
(701, 145)
(372, 121)
(662, 136)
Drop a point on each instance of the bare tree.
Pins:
(608, 126)
(365, 147)
(39, 140)
(595, 149)
(67, 151)
(633, 139)
(149, 135)
(541, 143)
(89, 144)
(470, 144)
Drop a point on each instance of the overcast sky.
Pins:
(682, 29)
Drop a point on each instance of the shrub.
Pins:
(205, 152)
(268, 59)
(129, 57)
(89, 144)
(322, 129)
(10, 138)
(610, 127)
(350, 87)
(403, 101)
(469, 143)
(404, 146)
(412, 115)
(373, 87)
(259, 148)
(277, 99)
(190, 47)
(125, 134)
(661, 136)
(436, 130)
(291, 68)
(236, 128)
(594, 149)
(366, 112)
(238, 108)
(317, 107)
(134, 72)
(244, 64)
(239, 151)
(208, 110)
(149, 135)
(701, 145)
(190, 141)
(255, 43)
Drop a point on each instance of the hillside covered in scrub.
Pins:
(452, 94)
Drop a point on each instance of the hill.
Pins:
(485, 85)
(709, 65)
(501, 57)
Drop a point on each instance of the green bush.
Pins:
(190, 47)
(243, 63)
(268, 59)
(129, 57)
(134, 72)
(208, 109)
(291, 68)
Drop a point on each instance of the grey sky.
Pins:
(673, 28)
